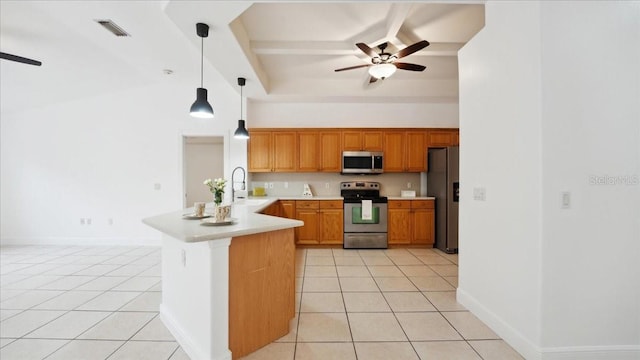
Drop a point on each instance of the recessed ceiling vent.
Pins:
(113, 27)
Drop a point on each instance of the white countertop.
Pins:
(245, 211)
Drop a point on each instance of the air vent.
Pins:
(112, 27)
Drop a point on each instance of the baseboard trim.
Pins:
(532, 352)
(621, 352)
(194, 352)
(82, 241)
(510, 335)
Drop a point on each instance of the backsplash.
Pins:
(328, 184)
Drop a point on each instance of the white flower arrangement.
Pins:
(216, 187)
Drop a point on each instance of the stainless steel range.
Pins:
(365, 215)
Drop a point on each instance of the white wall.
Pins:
(591, 127)
(374, 115)
(100, 157)
(500, 238)
(548, 97)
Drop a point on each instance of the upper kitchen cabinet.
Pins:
(365, 140)
(330, 151)
(416, 159)
(308, 151)
(319, 151)
(405, 151)
(272, 151)
(443, 137)
(394, 151)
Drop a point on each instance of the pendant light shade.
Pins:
(241, 132)
(201, 107)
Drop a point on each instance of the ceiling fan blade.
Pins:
(19, 59)
(352, 67)
(407, 66)
(366, 49)
(412, 48)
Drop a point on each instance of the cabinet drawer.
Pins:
(307, 204)
(422, 204)
(399, 204)
(331, 204)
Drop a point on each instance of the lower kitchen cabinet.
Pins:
(323, 221)
(411, 222)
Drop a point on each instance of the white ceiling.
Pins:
(286, 50)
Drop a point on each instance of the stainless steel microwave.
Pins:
(362, 162)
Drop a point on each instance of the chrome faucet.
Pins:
(233, 183)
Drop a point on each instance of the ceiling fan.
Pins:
(384, 64)
(19, 59)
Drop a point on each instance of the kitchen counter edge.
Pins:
(249, 221)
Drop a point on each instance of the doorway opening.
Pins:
(203, 158)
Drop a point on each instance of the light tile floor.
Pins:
(72, 302)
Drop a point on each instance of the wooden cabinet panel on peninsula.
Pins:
(272, 151)
(319, 151)
(366, 140)
(411, 222)
(322, 219)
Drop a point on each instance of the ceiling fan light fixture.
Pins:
(382, 71)
(201, 107)
(241, 132)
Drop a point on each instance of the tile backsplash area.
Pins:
(328, 184)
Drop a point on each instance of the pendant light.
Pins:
(201, 107)
(241, 131)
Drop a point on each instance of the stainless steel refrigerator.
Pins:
(442, 183)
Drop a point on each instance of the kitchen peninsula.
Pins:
(227, 290)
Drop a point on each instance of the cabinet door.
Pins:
(284, 151)
(394, 152)
(372, 141)
(273, 209)
(330, 153)
(308, 151)
(351, 140)
(259, 148)
(423, 229)
(399, 221)
(441, 138)
(288, 209)
(331, 228)
(416, 152)
(308, 233)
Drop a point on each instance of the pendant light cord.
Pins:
(201, 60)
(241, 102)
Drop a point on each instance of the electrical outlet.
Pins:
(157, 186)
(183, 257)
(110, 221)
(479, 194)
(81, 221)
(270, 185)
(408, 185)
(266, 185)
(286, 185)
(89, 221)
(327, 185)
